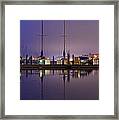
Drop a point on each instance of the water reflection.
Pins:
(65, 73)
(59, 85)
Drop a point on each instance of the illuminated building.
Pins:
(65, 61)
(84, 60)
(47, 62)
(76, 60)
(44, 61)
(94, 58)
(59, 62)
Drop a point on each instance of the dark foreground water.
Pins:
(59, 85)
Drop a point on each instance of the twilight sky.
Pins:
(82, 37)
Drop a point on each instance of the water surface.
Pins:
(59, 85)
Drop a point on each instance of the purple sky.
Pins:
(82, 37)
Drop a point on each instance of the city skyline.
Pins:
(82, 37)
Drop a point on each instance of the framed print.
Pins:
(59, 60)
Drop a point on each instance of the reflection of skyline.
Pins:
(82, 37)
(65, 73)
(65, 78)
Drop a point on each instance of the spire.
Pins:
(42, 35)
(64, 51)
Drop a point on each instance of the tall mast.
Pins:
(42, 35)
(64, 41)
